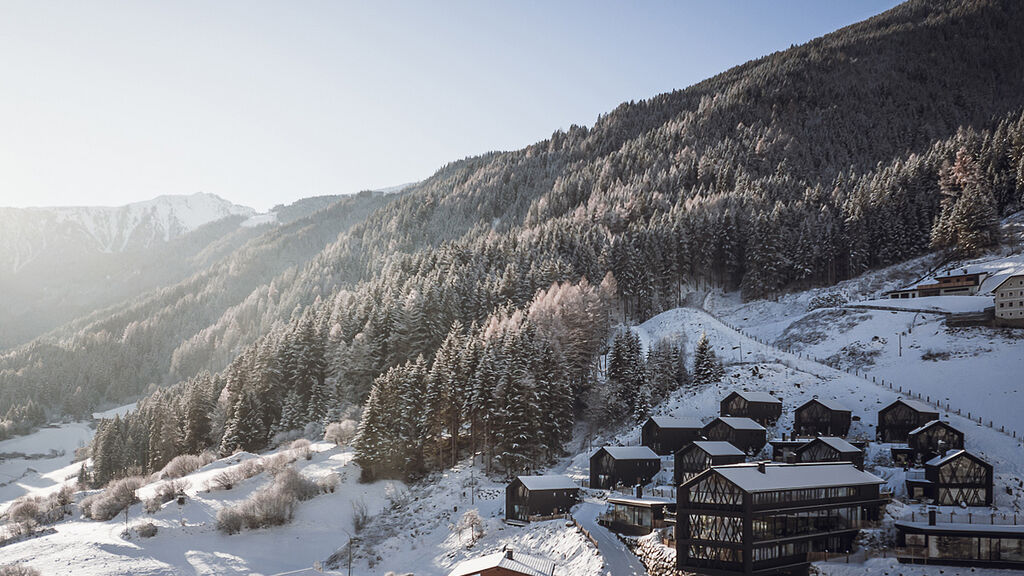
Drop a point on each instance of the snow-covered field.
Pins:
(40, 462)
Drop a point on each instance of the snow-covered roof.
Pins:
(916, 405)
(755, 396)
(548, 482)
(949, 455)
(778, 476)
(671, 422)
(833, 405)
(1014, 529)
(839, 444)
(931, 423)
(1012, 275)
(631, 452)
(519, 563)
(740, 423)
(646, 501)
(719, 448)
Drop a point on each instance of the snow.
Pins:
(631, 452)
(548, 482)
(756, 396)
(519, 563)
(933, 304)
(740, 423)
(839, 444)
(776, 476)
(39, 463)
(719, 448)
(664, 422)
(118, 411)
(260, 220)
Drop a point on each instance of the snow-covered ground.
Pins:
(40, 462)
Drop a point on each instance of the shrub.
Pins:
(301, 449)
(229, 519)
(85, 506)
(290, 484)
(146, 530)
(341, 433)
(328, 483)
(832, 300)
(18, 570)
(117, 496)
(165, 493)
(186, 464)
(227, 479)
(360, 515)
(271, 506)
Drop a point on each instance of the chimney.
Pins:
(931, 516)
(761, 467)
(508, 553)
(639, 491)
(790, 457)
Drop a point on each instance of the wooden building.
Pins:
(743, 433)
(822, 417)
(957, 544)
(505, 563)
(830, 449)
(636, 515)
(1009, 301)
(667, 435)
(956, 478)
(932, 439)
(784, 449)
(528, 497)
(761, 407)
(697, 457)
(611, 466)
(953, 282)
(765, 518)
(896, 420)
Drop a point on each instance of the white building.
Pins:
(1009, 301)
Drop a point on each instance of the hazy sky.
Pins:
(266, 102)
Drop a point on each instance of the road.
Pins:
(618, 560)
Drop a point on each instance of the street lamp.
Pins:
(351, 539)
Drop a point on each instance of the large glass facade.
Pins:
(954, 496)
(631, 515)
(717, 553)
(788, 524)
(715, 490)
(804, 495)
(717, 528)
(962, 470)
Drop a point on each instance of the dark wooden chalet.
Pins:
(697, 457)
(742, 433)
(667, 435)
(765, 518)
(934, 438)
(611, 466)
(759, 406)
(821, 417)
(636, 515)
(896, 420)
(957, 544)
(830, 449)
(956, 478)
(528, 497)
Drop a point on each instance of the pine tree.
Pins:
(706, 367)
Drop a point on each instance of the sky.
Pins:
(262, 103)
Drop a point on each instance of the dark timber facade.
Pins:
(761, 407)
(830, 449)
(703, 454)
(667, 435)
(896, 420)
(611, 466)
(991, 546)
(765, 518)
(934, 438)
(528, 497)
(742, 433)
(958, 477)
(819, 417)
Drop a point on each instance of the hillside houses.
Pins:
(954, 282)
(743, 433)
(527, 497)
(667, 435)
(956, 478)
(820, 416)
(612, 466)
(761, 407)
(830, 449)
(896, 420)
(697, 457)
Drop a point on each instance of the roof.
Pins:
(306, 572)
(915, 404)
(719, 448)
(839, 444)
(646, 501)
(1007, 529)
(669, 422)
(931, 423)
(963, 271)
(630, 452)
(548, 482)
(778, 476)
(1017, 274)
(739, 423)
(755, 396)
(833, 405)
(951, 455)
(520, 563)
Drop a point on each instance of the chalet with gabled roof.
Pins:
(830, 449)
(611, 466)
(740, 519)
(761, 407)
(956, 478)
(528, 497)
(743, 433)
(505, 563)
(822, 417)
(698, 456)
(667, 435)
(932, 439)
(896, 420)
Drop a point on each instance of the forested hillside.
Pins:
(859, 149)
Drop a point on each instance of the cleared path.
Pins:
(618, 560)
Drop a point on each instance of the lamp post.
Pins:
(351, 539)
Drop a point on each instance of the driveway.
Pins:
(618, 560)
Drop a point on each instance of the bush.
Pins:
(18, 570)
(328, 483)
(360, 515)
(271, 506)
(301, 449)
(165, 493)
(832, 300)
(146, 530)
(117, 496)
(229, 520)
(341, 433)
(186, 464)
(227, 479)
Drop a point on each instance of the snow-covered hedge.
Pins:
(186, 464)
(271, 506)
(18, 570)
(117, 496)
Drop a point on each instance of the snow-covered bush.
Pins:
(301, 449)
(831, 300)
(18, 570)
(360, 515)
(328, 483)
(227, 479)
(340, 433)
(146, 530)
(186, 464)
(271, 506)
(117, 496)
(165, 493)
(472, 521)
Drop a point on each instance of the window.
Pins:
(718, 528)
